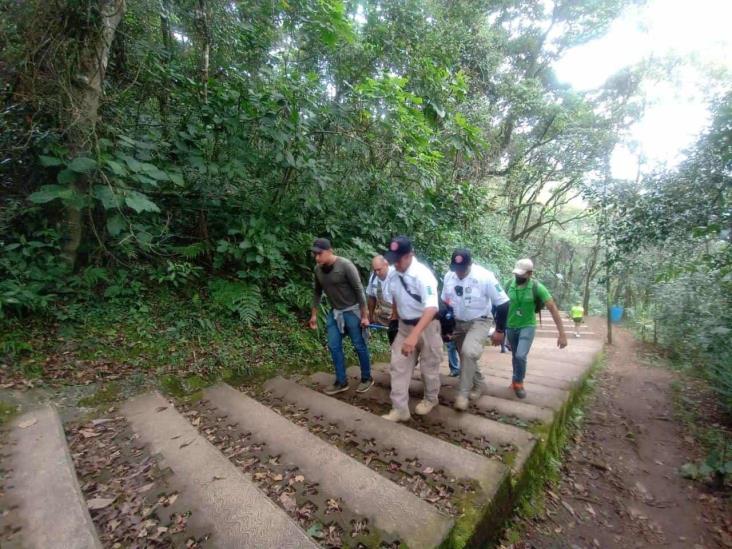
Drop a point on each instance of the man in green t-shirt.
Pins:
(524, 293)
(577, 313)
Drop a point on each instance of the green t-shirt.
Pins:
(577, 311)
(522, 309)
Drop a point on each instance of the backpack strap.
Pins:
(417, 298)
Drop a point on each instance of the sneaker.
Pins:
(365, 385)
(518, 388)
(336, 388)
(424, 407)
(461, 403)
(397, 415)
(455, 374)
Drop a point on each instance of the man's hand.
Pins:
(562, 341)
(497, 338)
(409, 345)
(371, 319)
(364, 321)
(313, 323)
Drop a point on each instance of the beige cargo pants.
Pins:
(429, 354)
(470, 337)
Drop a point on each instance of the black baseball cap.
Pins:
(460, 260)
(398, 248)
(320, 245)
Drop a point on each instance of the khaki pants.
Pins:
(470, 337)
(429, 354)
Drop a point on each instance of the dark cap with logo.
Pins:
(398, 248)
(460, 260)
(321, 245)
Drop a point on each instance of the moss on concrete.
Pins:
(482, 523)
(110, 392)
(7, 411)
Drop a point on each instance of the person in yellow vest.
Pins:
(577, 313)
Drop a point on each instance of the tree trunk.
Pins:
(83, 108)
(204, 39)
(588, 277)
(167, 38)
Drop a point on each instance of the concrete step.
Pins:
(389, 507)
(495, 406)
(539, 395)
(459, 424)
(545, 368)
(51, 510)
(408, 443)
(506, 375)
(222, 498)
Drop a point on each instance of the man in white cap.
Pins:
(413, 289)
(472, 291)
(527, 298)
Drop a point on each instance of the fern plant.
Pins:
(244, 300)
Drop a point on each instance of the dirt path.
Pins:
(620, 485)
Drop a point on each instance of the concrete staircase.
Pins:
(285, 465)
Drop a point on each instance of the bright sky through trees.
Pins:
(677, 107)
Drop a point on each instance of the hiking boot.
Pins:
(518, 388)
(424, 407)
(336, 388)
(476, 393)
(461, 403)
(365, 385)
(397, 415)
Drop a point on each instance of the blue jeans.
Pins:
(335, 344)
(453, 358)
(520, 340)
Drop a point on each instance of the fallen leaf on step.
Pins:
(568, 507)
(27, 423)
(299, 478)
(161, 408)
(146, 488)
(288, 502)
(95, 504)
(428, 470)
(216, 477)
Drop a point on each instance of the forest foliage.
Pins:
(195, 148)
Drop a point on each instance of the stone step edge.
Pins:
(54, 518)
(388, 506)
(495, 431)
(516, 408)
(430, 451)
(221, 497)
